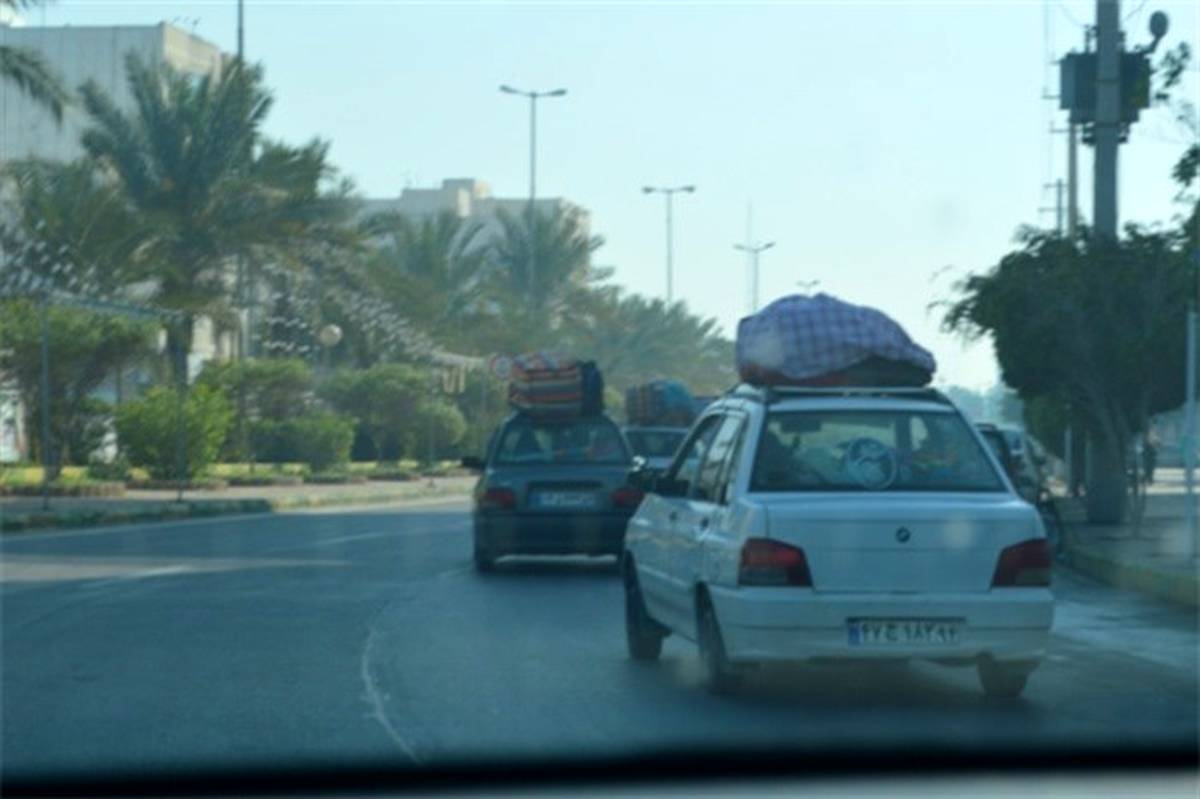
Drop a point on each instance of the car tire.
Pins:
(485, 561)
(643, 635)
(719, 674)
(1001, 681)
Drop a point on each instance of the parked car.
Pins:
(552, 487)
(844, 524)
(656, 445)
(1025, 460)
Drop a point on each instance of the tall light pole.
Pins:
(669, 192)
(753, 250)
(533, 96)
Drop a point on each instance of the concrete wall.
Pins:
(78, 55)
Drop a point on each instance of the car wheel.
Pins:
(1002, 681)
(485, 561)
(719, 674)
(643, 634)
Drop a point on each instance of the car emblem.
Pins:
(903, 534)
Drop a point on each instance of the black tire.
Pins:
(643, 635)
(719, 674)
(1002, 681)
(485, 561)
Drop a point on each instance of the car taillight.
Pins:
(627, 497)
(767, 562)
(1026, 563)
(498, 499)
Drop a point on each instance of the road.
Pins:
(351, 636)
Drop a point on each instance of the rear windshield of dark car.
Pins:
(655, 443)
(530, 442)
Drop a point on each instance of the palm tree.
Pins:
(190, 162)
(433, 271)
(536, 293)
(29, 72)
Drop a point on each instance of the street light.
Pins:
(533, 96)
(669, 192)
(753, 250)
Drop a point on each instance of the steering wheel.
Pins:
(871, 463)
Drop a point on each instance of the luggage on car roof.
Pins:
(665, 403)
(823, 341)
(547, 384)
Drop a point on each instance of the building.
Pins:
(80, 54)
(469, 199)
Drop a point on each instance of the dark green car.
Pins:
(553, 487)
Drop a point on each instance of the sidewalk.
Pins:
(1157, 561)
(25, 513)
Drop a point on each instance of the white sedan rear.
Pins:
(851, 524)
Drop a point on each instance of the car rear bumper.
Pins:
(786, 624)
(552, 534)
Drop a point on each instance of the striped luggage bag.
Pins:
(546, 384)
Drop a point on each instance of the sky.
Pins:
(887, 148)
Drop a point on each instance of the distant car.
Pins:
(1023, 460)
(656, 445)
(552, 487)
(838, 525)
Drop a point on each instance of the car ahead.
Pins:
(655, 445)
(552, 487)
(1021, 459)
(838, 524)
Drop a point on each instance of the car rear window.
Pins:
(870, 451)
(527, 442)
(655, 443)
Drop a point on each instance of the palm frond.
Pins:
(30, 73)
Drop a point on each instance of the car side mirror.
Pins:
(473, 463)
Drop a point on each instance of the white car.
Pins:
(841, 524)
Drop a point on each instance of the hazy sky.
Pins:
(878, 141)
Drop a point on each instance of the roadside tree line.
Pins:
(181, 202)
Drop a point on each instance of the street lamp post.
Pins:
(753, 250)
(533, 96)
(669, 192)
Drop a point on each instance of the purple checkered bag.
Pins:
(821, 340)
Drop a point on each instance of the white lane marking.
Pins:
(375, 699)
(422, 530)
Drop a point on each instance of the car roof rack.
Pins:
(771, 394)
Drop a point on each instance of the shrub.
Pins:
(437, 420)
(147, 429)
(118, 469)
(322, 440)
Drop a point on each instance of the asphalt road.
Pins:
(354, 636)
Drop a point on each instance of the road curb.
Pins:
(39, 521)
(1181, 588)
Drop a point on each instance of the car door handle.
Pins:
(673, 516)
(703, 523)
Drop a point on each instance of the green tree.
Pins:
(382, 399)
(190, 160)
(29, 72)
(1100, 325)
(432, 270)
(148, 430)
(437, 426)
(634, 339)
(534, 293)
(84, 349)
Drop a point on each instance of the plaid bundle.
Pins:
(660, 402)
(822, 340)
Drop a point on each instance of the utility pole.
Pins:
(669, 193)
(754, 250)
(1107, 124)
(533, 96)
(1057, 208)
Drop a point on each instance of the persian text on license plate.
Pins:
(903, 632)
(564, 500)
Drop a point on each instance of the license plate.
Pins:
(903, 632)
(563, 500)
